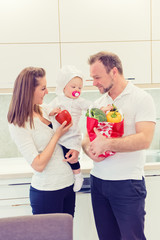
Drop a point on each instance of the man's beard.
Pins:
(105, 90)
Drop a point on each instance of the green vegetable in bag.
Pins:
(97, 114)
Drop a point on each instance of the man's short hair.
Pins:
(109, 60)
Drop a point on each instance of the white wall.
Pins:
(52, 33)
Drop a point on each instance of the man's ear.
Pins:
(114, 71)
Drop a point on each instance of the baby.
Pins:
(68, 90)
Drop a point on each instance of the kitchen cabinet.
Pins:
(155, 19)
(22, 22)
(103, 21)
(84, 226)
(55, 39)
(77, 54)
(39, 53)
(152, 228)
(14, 198)
(155, 61)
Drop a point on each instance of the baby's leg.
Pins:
(76, 171)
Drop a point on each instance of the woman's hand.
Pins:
(62, 129)
(40, 162)
(71, 156)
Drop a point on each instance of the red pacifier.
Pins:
(76, 93)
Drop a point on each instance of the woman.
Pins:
(51, 188)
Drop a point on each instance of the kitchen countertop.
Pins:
(19, 168)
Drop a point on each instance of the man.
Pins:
(117, 182)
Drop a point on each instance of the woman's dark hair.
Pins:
(21, 105)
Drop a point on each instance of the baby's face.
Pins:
(73, 88)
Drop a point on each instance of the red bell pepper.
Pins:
(64, 116)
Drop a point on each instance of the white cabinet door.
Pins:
(15, 207)
(84, 226)
(135, 57)
(102, 20)
(14, 200)
(155, 61)
(152, 229)
(29, 21)
(36, 55)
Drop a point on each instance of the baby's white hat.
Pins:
(65, 74)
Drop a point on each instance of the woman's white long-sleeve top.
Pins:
(30, 142)
(72, 139)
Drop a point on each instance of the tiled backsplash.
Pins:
(8, 148)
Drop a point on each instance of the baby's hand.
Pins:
(54, 111)
(108, 108)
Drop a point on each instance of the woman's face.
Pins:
(40, 91)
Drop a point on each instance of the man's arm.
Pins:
(141, 140)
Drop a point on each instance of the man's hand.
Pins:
(71, 156)
(134, 142)
(87, 150)
(99, 144)
(93, 156)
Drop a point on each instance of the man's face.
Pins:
(101, 79)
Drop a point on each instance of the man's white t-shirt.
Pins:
(136, 106)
